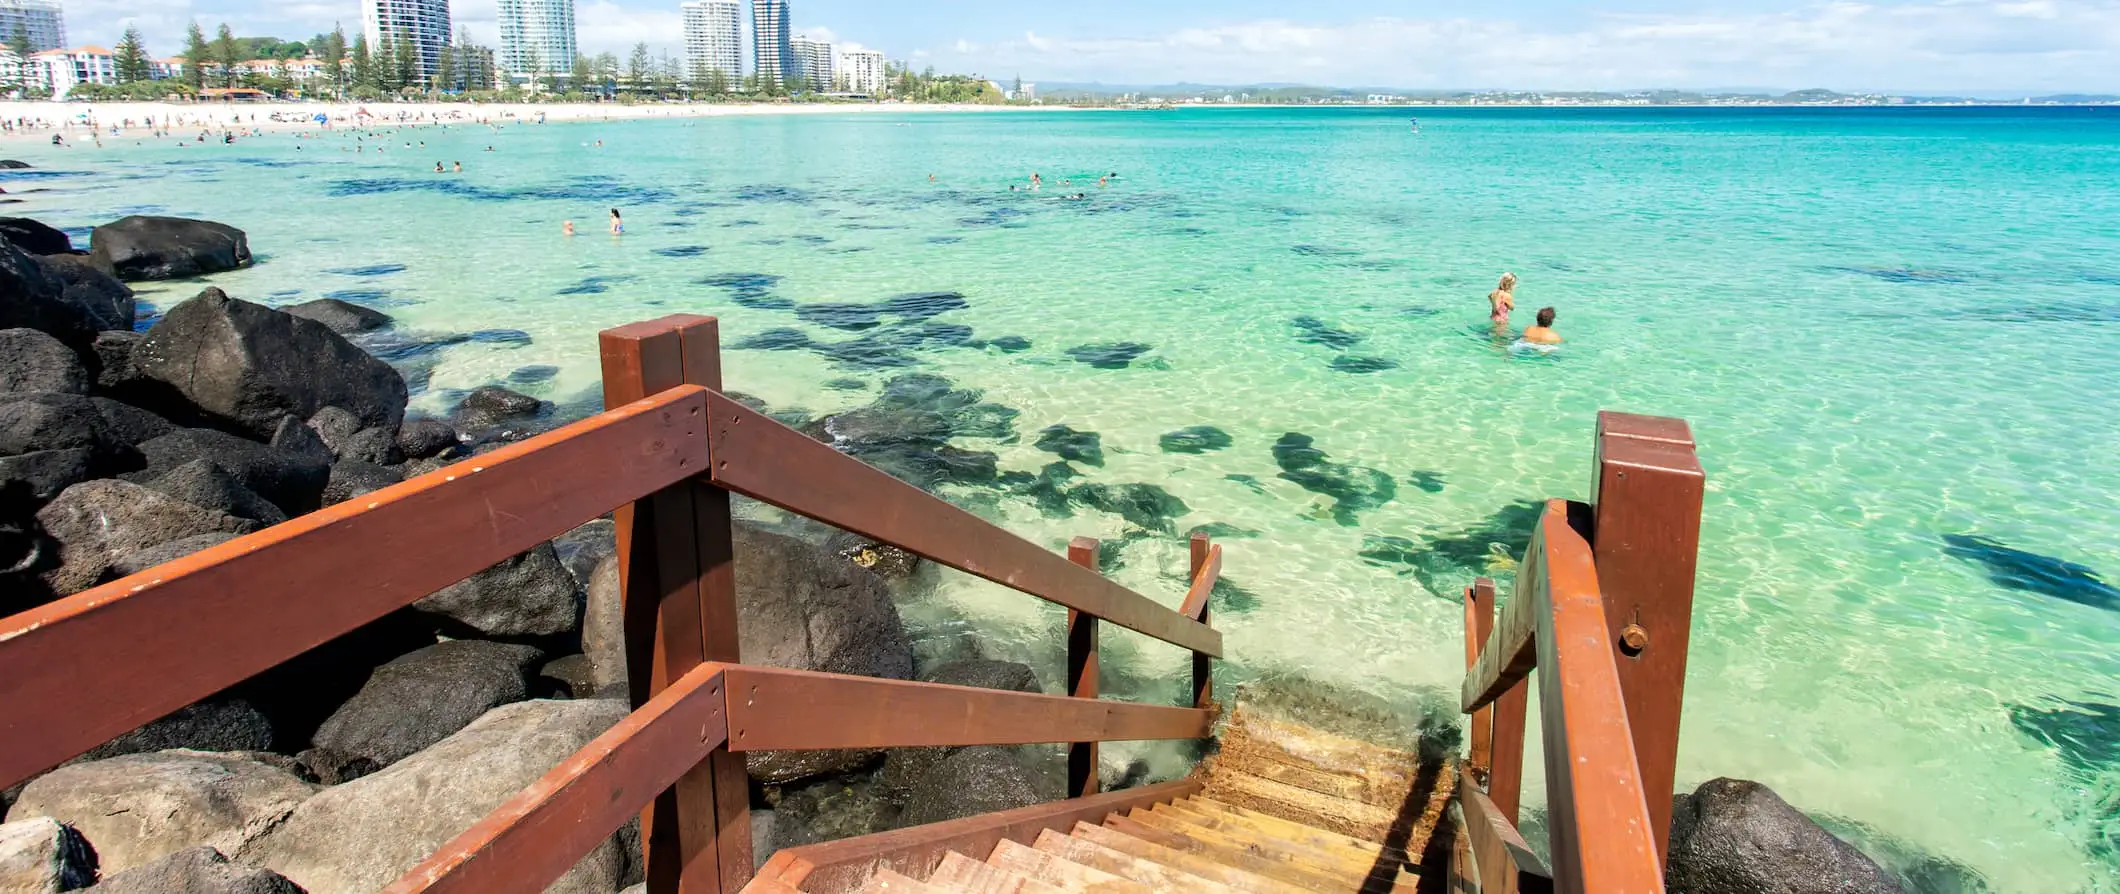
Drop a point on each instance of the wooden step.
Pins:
(1262, 858)
(1059, 871)
(887, 882)
(1155, 875)
(963, 874)
(1325, 844)
(1299, 851)
(1193, 863)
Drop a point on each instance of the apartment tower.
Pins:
(772, 50)
(713, 40)
(537, 36)
(425, 23)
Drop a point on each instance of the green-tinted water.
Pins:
(1885, 326)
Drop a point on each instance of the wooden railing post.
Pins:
(678, 574)
(1082, 674)
(1646, 541)
(1203, 683)
(1479, 623)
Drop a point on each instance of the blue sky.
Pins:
(1985, 46)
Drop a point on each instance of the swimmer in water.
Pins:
(1502, 300)
(567, 229)
(931, 178)
(459, 167)
(618, 226)
(1036, 181)
(438, 168)
(1543, 334)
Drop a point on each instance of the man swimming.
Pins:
(1543, 334)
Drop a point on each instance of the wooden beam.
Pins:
(842, 866)
(774, 708)
(1648, 495)
(1479, 623)
(762, 459)
(1082, 674)
(197, 625)
(1504, 862)
(536, 836)
(1206, 571)
(1511, 650)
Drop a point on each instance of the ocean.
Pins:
(1895, 332)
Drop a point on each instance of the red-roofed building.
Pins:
(62, 70)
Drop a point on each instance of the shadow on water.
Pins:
(2032, 572)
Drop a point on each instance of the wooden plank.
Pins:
(1206, 570)
(533, 838)
(1176, 836)
(1505, 780)
(1511, 650)
(958, 872)
(202, 623)
(1155, 875)
(765, 460)
(774, 708)
(1060, 872)
(888, 882)
(1504, 863)
(1648, 503)
(1479, 624)
(1598, 816)
(678, 575)
(836, 866)
(1082, 674)
(1296, 849)
(1184, 861)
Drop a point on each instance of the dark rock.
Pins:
(1194, 439)
(922, 305)
(38, 421)
(1146, 505)
(334, 426)
(292, 481)
(828, 809)
(841, 316)
(571, 676)
(1352, 488)
(493, 409)
(130, 425)
(205, 484)
(584, 547)
(1313, 331)
(1429, 482)
(882, 559)
(2031, 572)
(846, 384)
(351, 478)
(33, 361)
(371, 445)
(779, 339)
(1108, 356)
(47, 472)
(986, 674)
(533, 375)
(423, 438)
(113, 356)
(328, 767)
(138, 808)
(422, 698)
(1221, 531)
(166, 552)
(1010, 344)
(295, 437)
(220, 723)
(96, 523)
(1078, 446)
(13, 164)
(34, 237)
(342, 317)
(905, 432)
(141, 247)
(1733, 836)
(1048, 488)
(40, 855)
(245, 366)
(199, 870)
(530, 594)
(103, 302)
(980, 779)
(30, 297)
(1490, 547)
(1350, 363)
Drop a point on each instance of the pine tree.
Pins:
(407, 61)
(582, 76)
(362, 62)
(334, 54)
(131, 59)
(228, 54)
(197, 56)
(717, 82)
(637, 72)
(445, 77)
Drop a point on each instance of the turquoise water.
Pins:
(1886, 327)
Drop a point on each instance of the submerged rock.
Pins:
(922, 305)
(1352, 488)
(1313, 331)
(1010, 344)
(493, 412)
(841, 316)
(344, 318)
(2031, 572)
(144, 247)
(1194, 439)
(1069, 444)
(1350, 363)
(1108, 356)
(1146, 505)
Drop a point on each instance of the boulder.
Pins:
(167, 552)
(496, 413)
(112, 352)
(294, 436)
(221, 723)
(585, 547)
(29, 298)
(328, 767)
(13, 164)
(361, 835)
(335, 426)
(372, 445)
(571, 676)
(40, 855)
(981, 779)
(204, 484)
(143, 247)
(1734, 836)
(530, 594)
(96, 523)
(424, 438)
(904, 769)
(352, 478)
(31, 421)
(198, 870)
(882, 559)
(44, 473)
(128, 424)
(421, 698)
(105, 302)
(293, 481)
(35, 237)
(43, 856)
(138, 808)
(243, 366)
(33, 361)
(339, 316)
(604, 628)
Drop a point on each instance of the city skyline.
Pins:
(1984, 47)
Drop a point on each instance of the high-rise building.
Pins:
(813, 62)
(862, 71)
(425, 23)
(772, 52)
(39, 20)
(713, 40)
(537, 36)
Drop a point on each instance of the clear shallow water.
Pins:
(1885, 327)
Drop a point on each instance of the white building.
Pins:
(39, 20)
(772, 52)
(423, 22)
(61, 70)
(862, 71)
(813, 62)
(713, 40)
(537, 36)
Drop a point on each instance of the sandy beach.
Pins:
(39, 119)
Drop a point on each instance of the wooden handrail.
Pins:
(1512, 649)
(536, 836)
(1203, 585)
(760, 458)
(1502, 860)
(202, 623)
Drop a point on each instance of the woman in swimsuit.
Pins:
(1502, 300)
(618, 226)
